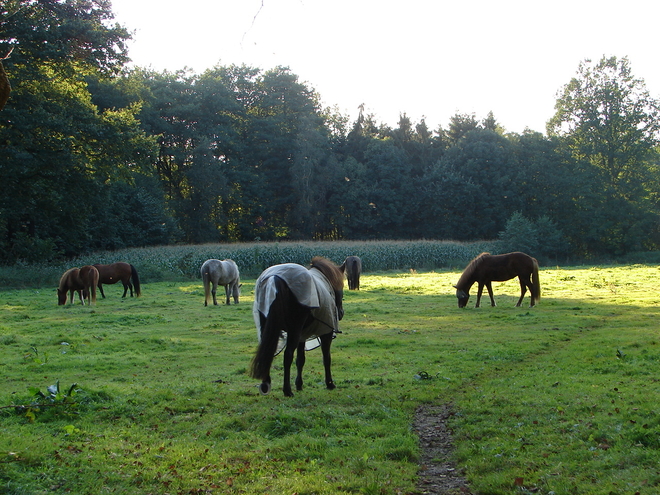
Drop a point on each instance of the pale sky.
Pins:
(427, 58)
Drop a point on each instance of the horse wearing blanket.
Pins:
(300, 306)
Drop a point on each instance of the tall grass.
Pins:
(180, 262)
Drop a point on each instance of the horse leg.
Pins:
(125, 290)
(288, 360)
(326, 341)
(130, 287)
(524, 283)
(227, 293)
(489, 286)
(101, 291)
(300, 363)
(235, 288)
(479, 291)
(214, 292)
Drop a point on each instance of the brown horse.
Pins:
(487, 268)
(352, 266)
(296, 304)
(82, 280)
(120, 271)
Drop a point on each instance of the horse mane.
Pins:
(331, 271)
(466, 277)
(65, 277)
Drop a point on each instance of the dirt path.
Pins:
(438, 475)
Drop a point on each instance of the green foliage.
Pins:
(101, 157)
(53, 404)
(541, 238)
(252, 259)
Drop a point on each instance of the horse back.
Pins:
(353, 266)
(89, 273)
(502, 267)
(112, 273)
(230, 270)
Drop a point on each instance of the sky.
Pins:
(429, 59)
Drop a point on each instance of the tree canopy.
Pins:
(98, 156)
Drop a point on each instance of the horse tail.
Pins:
(536, 283)
(271, 326)
(94, 282)
(206, 281)
(136, 281)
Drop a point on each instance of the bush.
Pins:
(541, 238)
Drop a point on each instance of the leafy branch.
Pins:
(53, 398)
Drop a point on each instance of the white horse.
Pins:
(224, 273)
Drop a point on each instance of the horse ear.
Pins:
(454, 287)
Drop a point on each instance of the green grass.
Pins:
(560, 398)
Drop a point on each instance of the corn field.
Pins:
(184, 261)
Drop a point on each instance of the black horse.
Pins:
(487, 268)
(353, 268)
(297, 304)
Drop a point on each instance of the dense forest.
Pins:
(95, 155)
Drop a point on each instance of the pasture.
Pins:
(154, 395)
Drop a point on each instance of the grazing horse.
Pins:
(298, 304)
(353, 268)
(82, 280)
(114, 272)
(487, 268)
(225, 273)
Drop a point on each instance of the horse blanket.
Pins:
(310, 288)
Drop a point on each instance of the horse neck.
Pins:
(466, 284)
(332, 275)
(467, 280)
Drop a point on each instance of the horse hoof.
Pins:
(331, 386)
(264, 388)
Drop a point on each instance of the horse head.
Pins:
(463, 297)
(335, 275)
(61, 297)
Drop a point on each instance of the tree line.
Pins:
(95, 156)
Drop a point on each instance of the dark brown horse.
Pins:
(296, 304)
(120, 271)
(82, 280)
(487, 268)
(353, 268)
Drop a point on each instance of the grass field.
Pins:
(559, 399)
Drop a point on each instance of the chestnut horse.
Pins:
(487, 268)
(82, 280)
(353, 268)
(120, 271)
(296, 304)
